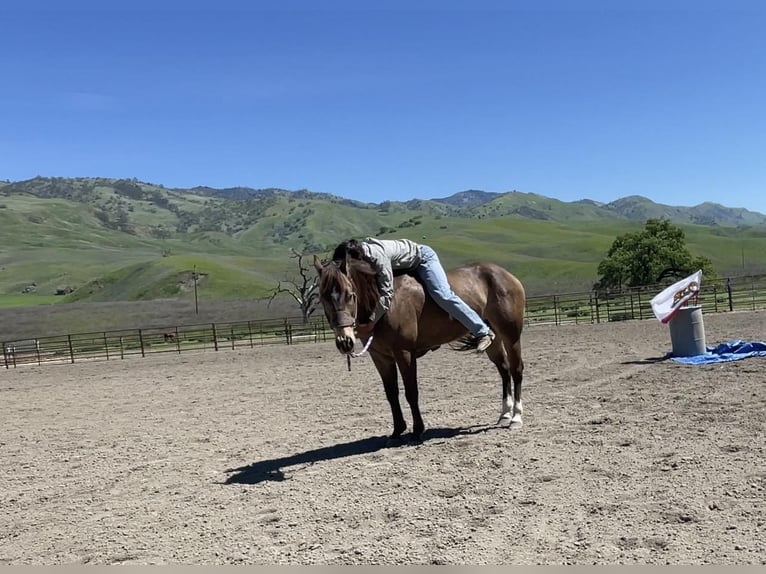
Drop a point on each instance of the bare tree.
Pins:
(304, 289)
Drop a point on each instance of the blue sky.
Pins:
(590, 99)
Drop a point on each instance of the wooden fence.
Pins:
(735, 293)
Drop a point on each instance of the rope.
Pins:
(364, 349)
(359, 354)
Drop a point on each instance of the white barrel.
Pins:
(687, 332)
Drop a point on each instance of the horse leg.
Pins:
(386, 367)
(510, 366)
(517, 373)
(499, 357)
(408, 366)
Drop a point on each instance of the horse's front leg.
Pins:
(408, 366)
(386, 367)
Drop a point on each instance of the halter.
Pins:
(369, 340)
(346, 319)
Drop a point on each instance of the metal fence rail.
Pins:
(735, 293)
(729, 294)
(109, 345)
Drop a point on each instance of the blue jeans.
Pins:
(431, 273)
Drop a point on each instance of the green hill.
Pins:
(99, 239)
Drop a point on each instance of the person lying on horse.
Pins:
(390, 255)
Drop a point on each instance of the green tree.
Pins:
(640, 258)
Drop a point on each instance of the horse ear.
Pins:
(318, 265)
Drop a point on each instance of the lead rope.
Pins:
(360, 353)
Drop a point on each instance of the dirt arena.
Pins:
(278, 456)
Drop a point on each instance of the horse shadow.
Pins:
(272, 469)
(648, 360)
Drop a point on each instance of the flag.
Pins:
(669, 300)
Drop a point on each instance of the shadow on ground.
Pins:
(647, 361)
(273, 469)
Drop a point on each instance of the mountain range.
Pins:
(122, 239)
(469, 203)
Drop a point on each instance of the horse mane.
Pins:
(364, 278)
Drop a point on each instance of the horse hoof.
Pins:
(416, 438)
(516, 424)
(393, 441)
(504, 418)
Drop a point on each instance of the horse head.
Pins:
(338, 297)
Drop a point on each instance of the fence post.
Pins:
(728, 288)
(632, 308)
(555, 310)
(598, 314)
(5, 355)
(141, 342)
(232, 337)
(106, 346)
(640, 310)
(178, 341)
(250, 333)
(71, 350)
(215, 338)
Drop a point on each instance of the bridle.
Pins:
(349, 319)
(344, 318)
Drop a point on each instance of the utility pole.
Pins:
(196, 304)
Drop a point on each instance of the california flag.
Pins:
(667, 302)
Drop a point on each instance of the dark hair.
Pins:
(351, 248)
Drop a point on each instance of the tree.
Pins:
(305, 289)
(641, 258)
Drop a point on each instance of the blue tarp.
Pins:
(731, 351)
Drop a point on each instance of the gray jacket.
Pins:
(388, 255)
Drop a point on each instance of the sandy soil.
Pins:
(277, 455)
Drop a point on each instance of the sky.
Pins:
(392, 100)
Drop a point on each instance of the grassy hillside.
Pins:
(123, 240)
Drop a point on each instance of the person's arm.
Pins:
(385, 278)
(386, 286)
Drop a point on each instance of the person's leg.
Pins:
(431, 273)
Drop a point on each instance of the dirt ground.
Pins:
(277, 455)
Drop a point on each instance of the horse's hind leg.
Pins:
(517, 374)
(386, 367)
(499, 357)
(510, 367)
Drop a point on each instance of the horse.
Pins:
(415, 325)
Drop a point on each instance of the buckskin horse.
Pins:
(414, 325)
